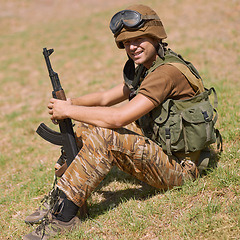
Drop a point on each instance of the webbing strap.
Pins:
(168, 140)
(195, 82)
(219, 140)
(215, 103)
(216, 116)
(218, 135)
(215, 96)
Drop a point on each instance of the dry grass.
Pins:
(86, 58)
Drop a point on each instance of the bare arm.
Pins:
(108, 117)
(105, 98)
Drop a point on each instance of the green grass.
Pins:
(87, 59)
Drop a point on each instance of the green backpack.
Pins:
(183, 125)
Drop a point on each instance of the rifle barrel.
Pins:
(53, 75)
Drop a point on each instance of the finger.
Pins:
(56, 122)
(50, 106)
(52, 100)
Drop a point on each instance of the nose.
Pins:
(132, 45)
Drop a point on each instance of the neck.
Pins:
(150, 62)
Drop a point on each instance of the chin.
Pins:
(138, 61)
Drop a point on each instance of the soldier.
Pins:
(138, 136)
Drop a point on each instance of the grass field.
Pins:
(207, 33)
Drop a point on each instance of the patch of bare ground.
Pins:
(19, 15)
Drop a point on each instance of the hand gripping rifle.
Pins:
(66, 137)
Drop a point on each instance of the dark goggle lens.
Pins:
(131, 19)
(128, 18)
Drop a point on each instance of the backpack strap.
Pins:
(217, 132)
(185, 67)
(195, 82)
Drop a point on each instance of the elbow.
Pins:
(118, 124)
(119, 121)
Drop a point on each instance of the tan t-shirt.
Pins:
(164, 83)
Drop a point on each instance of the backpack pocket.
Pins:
(198, 126)
(170, 134)
(186, 125)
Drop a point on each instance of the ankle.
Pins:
(66, 210)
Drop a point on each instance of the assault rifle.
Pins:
(65, 137)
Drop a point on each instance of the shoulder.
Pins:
(158, 84)
(165, 74)
(166, 81)
(167, 70)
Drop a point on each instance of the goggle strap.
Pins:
(150, 17)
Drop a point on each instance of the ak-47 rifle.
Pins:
(65, 137)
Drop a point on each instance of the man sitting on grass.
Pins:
(145, 136)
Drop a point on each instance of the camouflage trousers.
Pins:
(130, 151)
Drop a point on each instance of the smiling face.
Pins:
(142, 50)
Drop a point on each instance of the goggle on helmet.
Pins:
(129, 19)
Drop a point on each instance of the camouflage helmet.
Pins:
(152, 27)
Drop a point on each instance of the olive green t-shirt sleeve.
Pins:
(166, 82)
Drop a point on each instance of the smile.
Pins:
(137, 54)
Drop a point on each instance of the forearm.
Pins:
(92, 99)
(106, 98)
(107, 117)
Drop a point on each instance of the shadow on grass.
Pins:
(111, 199)
(138, 191)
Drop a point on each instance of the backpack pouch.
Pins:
(186, 125)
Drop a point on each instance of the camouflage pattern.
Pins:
(130, 151)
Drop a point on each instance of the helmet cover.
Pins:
(153, 28)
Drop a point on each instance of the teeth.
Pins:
(136, 54)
